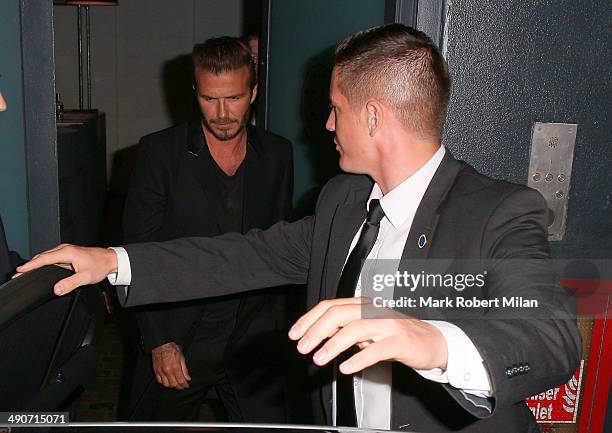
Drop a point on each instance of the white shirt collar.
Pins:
(404, 199)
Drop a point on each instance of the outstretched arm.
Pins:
(193, 268)
(201, 267)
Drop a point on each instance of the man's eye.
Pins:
(206, 98)
(234, 98)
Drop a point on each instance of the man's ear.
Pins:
(374, 116)
(254, 94)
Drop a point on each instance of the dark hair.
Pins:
(224, 54)
(402, 68)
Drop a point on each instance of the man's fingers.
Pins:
(174, 382)
(162, 378)
(165, 381)
(55, 256)
(336, 316)
(302, 325)
(168, 373)
(375, 352)
(179, 377)
(181, 380)
(158, 375)
(172, 370)
(184, 369)
(355, 332)
(69, 284)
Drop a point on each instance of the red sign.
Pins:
(558, 405)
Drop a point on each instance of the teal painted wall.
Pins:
(13, 187)
(303, 35)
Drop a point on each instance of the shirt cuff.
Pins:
(465, 369)
(123, 276)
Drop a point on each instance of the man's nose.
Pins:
(221, 109)
(330, 125)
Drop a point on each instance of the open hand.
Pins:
(395, 337)
(90, 265)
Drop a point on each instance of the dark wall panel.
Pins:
(303, 36)
(514, 63)
(40, 129)
(13, 190)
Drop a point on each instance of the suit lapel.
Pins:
(201, 164)
(422, 231)
(347, 219)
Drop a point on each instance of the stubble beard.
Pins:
(226, 135)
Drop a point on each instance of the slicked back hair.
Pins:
(224, 54)
(403, 69)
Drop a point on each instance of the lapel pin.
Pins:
(422, 241)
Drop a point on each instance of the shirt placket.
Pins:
(358, 378)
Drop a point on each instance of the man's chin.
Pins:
(347, 167)
(344, 165)
(225, 134)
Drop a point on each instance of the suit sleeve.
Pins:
(194, 268)
(543, 343)
(142, 219)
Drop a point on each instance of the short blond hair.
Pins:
(402, 68)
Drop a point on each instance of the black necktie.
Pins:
(345, 399)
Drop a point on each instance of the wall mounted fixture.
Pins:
(84, 5)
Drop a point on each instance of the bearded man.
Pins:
(213, 175)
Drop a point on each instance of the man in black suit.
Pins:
(408, 198)
(207, 177)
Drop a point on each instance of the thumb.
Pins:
(67, 285)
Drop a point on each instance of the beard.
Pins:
(223, 127)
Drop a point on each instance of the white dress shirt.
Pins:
(465, 369)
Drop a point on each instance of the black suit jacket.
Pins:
(173, 194)
(463, 215)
